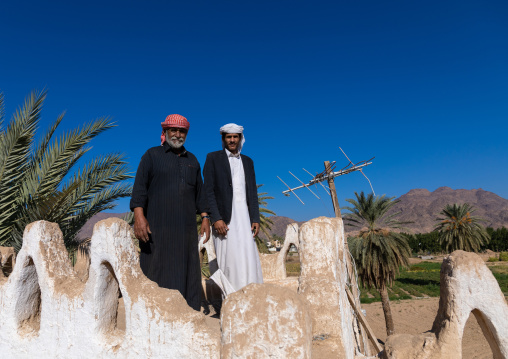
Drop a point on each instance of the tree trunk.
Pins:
(390, 328)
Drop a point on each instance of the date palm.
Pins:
(377, 250)
(39, 180)
(265, 221)
(458, 229)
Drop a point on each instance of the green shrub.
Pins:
(492, 259)
(503, 256)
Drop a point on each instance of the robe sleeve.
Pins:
(141, 183)
(209, 174)
(253, 201)
(201, 200)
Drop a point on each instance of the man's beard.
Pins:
(175, 142)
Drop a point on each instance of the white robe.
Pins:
(237, 253)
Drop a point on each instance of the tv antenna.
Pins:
(329, 175)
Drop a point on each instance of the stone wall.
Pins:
(274, 265)
(49, 309)
(266, 321)
(467, 285)
(323, 281)
(46, 311)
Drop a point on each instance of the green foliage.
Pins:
(429, 242)
(503, 256)
(38, 181)
(458, 229)
(378, 252)
(266, 222)
(424, 242)
(423, 280)
(493, 259)
(501, 274)
(498, 239)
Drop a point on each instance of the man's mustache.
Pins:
(179, 139)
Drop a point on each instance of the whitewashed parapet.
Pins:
(467, 286)
(266, 321)
(274, 265)
(46, 311)
(322, 282)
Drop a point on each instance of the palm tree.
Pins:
(459, 230)
(38, 181)
(266, 222)
(377, 250)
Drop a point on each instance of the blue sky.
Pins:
(422, 86)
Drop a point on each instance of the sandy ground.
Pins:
(416, 316)
(410, 316)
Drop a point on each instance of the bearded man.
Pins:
(232, 195)
(168, 193)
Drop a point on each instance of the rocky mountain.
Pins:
(419, 206)
(87, 230)
(422, 207)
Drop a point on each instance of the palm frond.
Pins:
(15, 147)
(2, 113)
(458, 229)
(266, 221)
(31, 176)
(378, 251)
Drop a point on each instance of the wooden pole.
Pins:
(333, 192)
(364, 322)
(353, 297)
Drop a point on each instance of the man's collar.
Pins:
(168, 148)
(237, 155)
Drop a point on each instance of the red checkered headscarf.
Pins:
(175, 120)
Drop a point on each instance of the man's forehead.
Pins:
(233, 134)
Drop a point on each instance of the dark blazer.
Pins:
(219, 188)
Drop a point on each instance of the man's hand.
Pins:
(221, 227)
(141, 226)
(255, 229)
(205, 228)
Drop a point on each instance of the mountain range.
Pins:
(419, 206)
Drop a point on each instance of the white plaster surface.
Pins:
(46, 311)
(274, 265)
(265, 321)
(323, 281)
(467, 285)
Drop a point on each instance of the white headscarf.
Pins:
(233, 128)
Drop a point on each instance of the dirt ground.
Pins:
(416, 316)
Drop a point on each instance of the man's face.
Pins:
(176, 136)
(232, 141)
